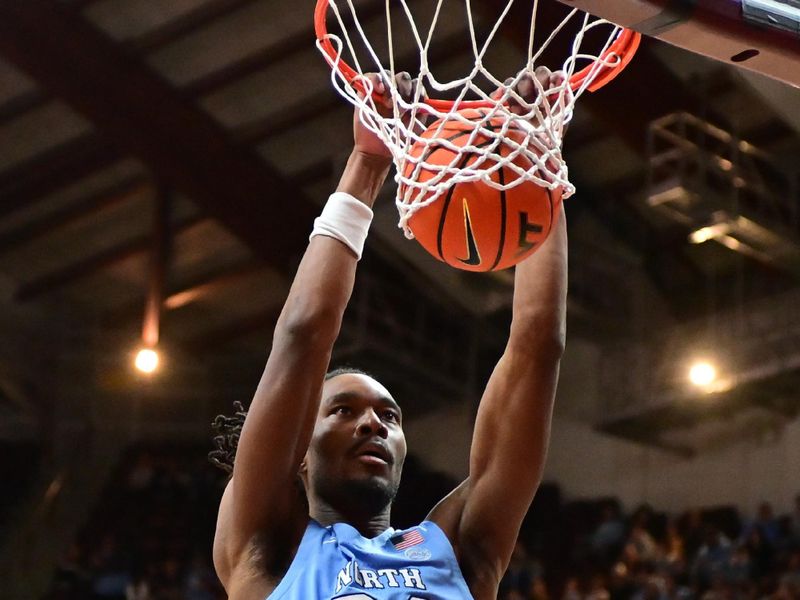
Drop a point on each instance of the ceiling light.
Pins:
(702, 374)
(147, 360)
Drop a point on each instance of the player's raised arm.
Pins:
(261, 501)
(483, 516)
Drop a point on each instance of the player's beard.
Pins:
(368, 495)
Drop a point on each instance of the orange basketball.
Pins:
(474, 226)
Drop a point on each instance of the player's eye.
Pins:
(342, 410)
(390, 415)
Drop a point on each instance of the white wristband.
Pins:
(345, 219)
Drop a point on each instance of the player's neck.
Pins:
(368, 525)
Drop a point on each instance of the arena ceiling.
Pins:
(175, 154)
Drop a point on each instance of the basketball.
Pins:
(473, 226)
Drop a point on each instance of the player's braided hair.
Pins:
(227, 428)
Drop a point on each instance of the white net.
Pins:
(524, 141)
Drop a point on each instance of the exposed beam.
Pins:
(71, 155)
(78, 157)
(212, 340)
(264, 58)
(86, 267)
(275, 124)
(314, 172)
(248, 65)
(663, 251)
(146, 42)
(185, 24)
(78, 5)
(184, 146)
(83, 208)
(69, 160)
(328, 100)
(193, 290)
(53, 169)
(14, 107)
(210, 284)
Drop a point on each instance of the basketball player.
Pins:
(341, 435)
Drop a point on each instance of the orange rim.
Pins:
(624, 48)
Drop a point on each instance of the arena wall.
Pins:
(589, 464)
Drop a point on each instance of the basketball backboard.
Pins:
(759, 35)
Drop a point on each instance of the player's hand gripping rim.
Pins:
(366, 141)
(553, 83)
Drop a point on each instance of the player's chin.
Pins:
(384, 478)
(379, 489)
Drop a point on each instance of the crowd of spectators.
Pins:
(150, 535)
(713, 554)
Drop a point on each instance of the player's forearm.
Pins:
(364, 175)
(540, 293)
(325, 278)
(320, 292)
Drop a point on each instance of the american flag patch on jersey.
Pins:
(407, 539)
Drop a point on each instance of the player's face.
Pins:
(358, 445)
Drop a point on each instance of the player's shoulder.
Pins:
(478, 565)
(258, 559)
(447, 513)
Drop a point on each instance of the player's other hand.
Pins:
(367, 142)
(551, 83)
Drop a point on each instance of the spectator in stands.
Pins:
(790, 580)
(640, 541)
(598, 589)
(785, 544)
(796, 522)
(72, 579)
(538, 590)
(766, 523)
(572, 589)
(521, 572)
(673, 555)
(675, 590)
(200, 583)
(693, 532)
(110, 573)
(712, 558)
(651, 588)
(761, 553)
(138, 588)
(610, 533)
(739, 568)
(169, 580)
(621, 585)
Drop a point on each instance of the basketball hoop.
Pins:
(485, 113)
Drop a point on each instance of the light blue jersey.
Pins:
(338, 562)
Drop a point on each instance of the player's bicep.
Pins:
(276, 433)
(508, 452)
